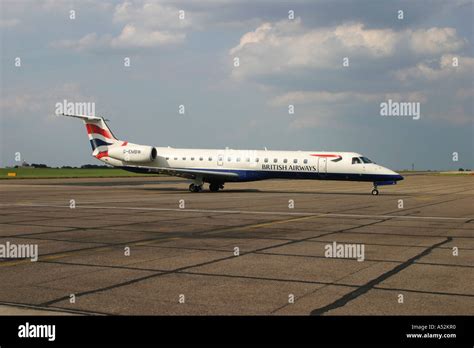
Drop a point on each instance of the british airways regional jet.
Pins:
(217, 167)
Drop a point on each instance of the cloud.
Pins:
(313, 108)
(253, 37)
(87, 42)
(132, 36)
(346, 97)
(32, 102)
(307, 97)
(153, 15)
(303, 67)
(442, 69)
(435, 41)
(144, 24)
(281, 47)
(316, 109)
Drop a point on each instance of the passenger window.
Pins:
(238, 159)
(184, 158)
(210, 158)
(257, 160)
(192, 158)
(228, 159)
(285, 161)
(265, 160)
(305, 161)
(167, 158)
(295, 161)
(200, 158)
(275, 160)
(356, 160)
(248, 159)
(176, 158)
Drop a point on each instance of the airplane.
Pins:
(217, 167)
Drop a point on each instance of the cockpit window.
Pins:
(366, 160)
(356, 160)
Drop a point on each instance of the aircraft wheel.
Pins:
(375, 192)
(195, 188)
(214, 187)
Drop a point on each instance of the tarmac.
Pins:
(148, 246)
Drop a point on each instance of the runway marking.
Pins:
(250, 212)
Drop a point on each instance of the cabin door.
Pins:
(322, 166)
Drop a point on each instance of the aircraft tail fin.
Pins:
(99, 133)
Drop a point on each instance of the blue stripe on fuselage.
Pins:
(256, 175)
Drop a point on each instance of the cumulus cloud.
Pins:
(131, 36)
(448, 66)
(152, 14)
(253, 37)
(144, 24)
(281, 47)
(435, 41)
(303, 67)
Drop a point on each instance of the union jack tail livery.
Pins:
(100, 136)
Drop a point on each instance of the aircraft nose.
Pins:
(398, 177)
(393, 175)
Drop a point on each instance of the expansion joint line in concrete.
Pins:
(370, 285)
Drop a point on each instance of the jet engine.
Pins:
(133, 153)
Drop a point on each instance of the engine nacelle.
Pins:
(133, 153)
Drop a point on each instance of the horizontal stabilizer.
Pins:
(84, 117)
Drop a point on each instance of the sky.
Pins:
(335, 62)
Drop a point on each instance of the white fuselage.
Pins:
(254, 165)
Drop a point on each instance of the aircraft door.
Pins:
(322, 166)
(220, 160)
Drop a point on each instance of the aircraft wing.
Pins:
(188, 173)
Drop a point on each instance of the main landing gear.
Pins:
(214, 187)
(375, 192)
(195, 188)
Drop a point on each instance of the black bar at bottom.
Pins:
(135, 330)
